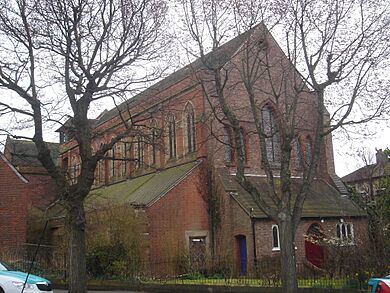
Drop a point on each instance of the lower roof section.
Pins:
(141, 191)
(323, 200)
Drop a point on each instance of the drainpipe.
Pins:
(253, 220)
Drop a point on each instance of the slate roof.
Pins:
(371, 171)
(13, 169)
(323, 199)
(24, 152)
(217, 58)
(141, 191)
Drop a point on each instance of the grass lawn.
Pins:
(302, 283)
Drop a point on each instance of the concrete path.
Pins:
(65, 291)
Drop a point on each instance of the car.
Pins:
(381, 285)
(12, 281)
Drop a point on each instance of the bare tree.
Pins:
(370, 187)
(84, 51)
(340, 47)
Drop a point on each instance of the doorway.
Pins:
(242, 254)
(313, 250)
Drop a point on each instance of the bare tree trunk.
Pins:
(77, 260)
(287, 253)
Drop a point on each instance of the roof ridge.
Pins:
(194, 65)
(12, 167)
(179, 180)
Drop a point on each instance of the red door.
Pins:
(313, 249)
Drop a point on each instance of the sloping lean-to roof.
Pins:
(24, 152)
(323, 199)
(141, 191)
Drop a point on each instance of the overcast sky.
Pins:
(345, 148)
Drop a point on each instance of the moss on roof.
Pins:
(323, 200)
(141, 191)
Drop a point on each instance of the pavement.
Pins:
(65, 291)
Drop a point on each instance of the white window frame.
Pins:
(344, 237)
(275, 248)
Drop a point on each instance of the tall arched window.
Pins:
(139, 152)
(189, 119)
(121, 159)
(111, 167)
(308, 150)
(275, 237)
(153, 142)
(75, 168)
(171, 136)
(272, 136)
(244, 143)
(227, 141)
(298, 153)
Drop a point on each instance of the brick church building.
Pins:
(178, 169)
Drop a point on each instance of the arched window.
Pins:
(100, 173)
(121, 160)
(308, 150)
(111, 166)
(75, 168)
(171, 136)
(228, 148)
(139, 152)
(344, 232)
(272, 136)
(153, 142)
(189, 120)
(244, 144)
(298, 153)
(275, 237)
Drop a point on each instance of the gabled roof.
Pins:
(323, 200)
(24, 152)
(217, 58)
(13, 169)
(367, 172)
(141, 191)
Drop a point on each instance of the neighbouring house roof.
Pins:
(13, 169)
(323, 200)
(141, 191)
(24, 152)
(367, 172)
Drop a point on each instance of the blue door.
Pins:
(243, 256)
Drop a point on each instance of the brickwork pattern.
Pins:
(13, 208)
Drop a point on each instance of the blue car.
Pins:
(381, 285)
(12, 281)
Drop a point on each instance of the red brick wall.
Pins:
(173, 218)
(173, 100)
(42, 190)
(237, 97)
(235, 221)
(264, 235)
(13, 208)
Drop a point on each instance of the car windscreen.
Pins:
(5, 267)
